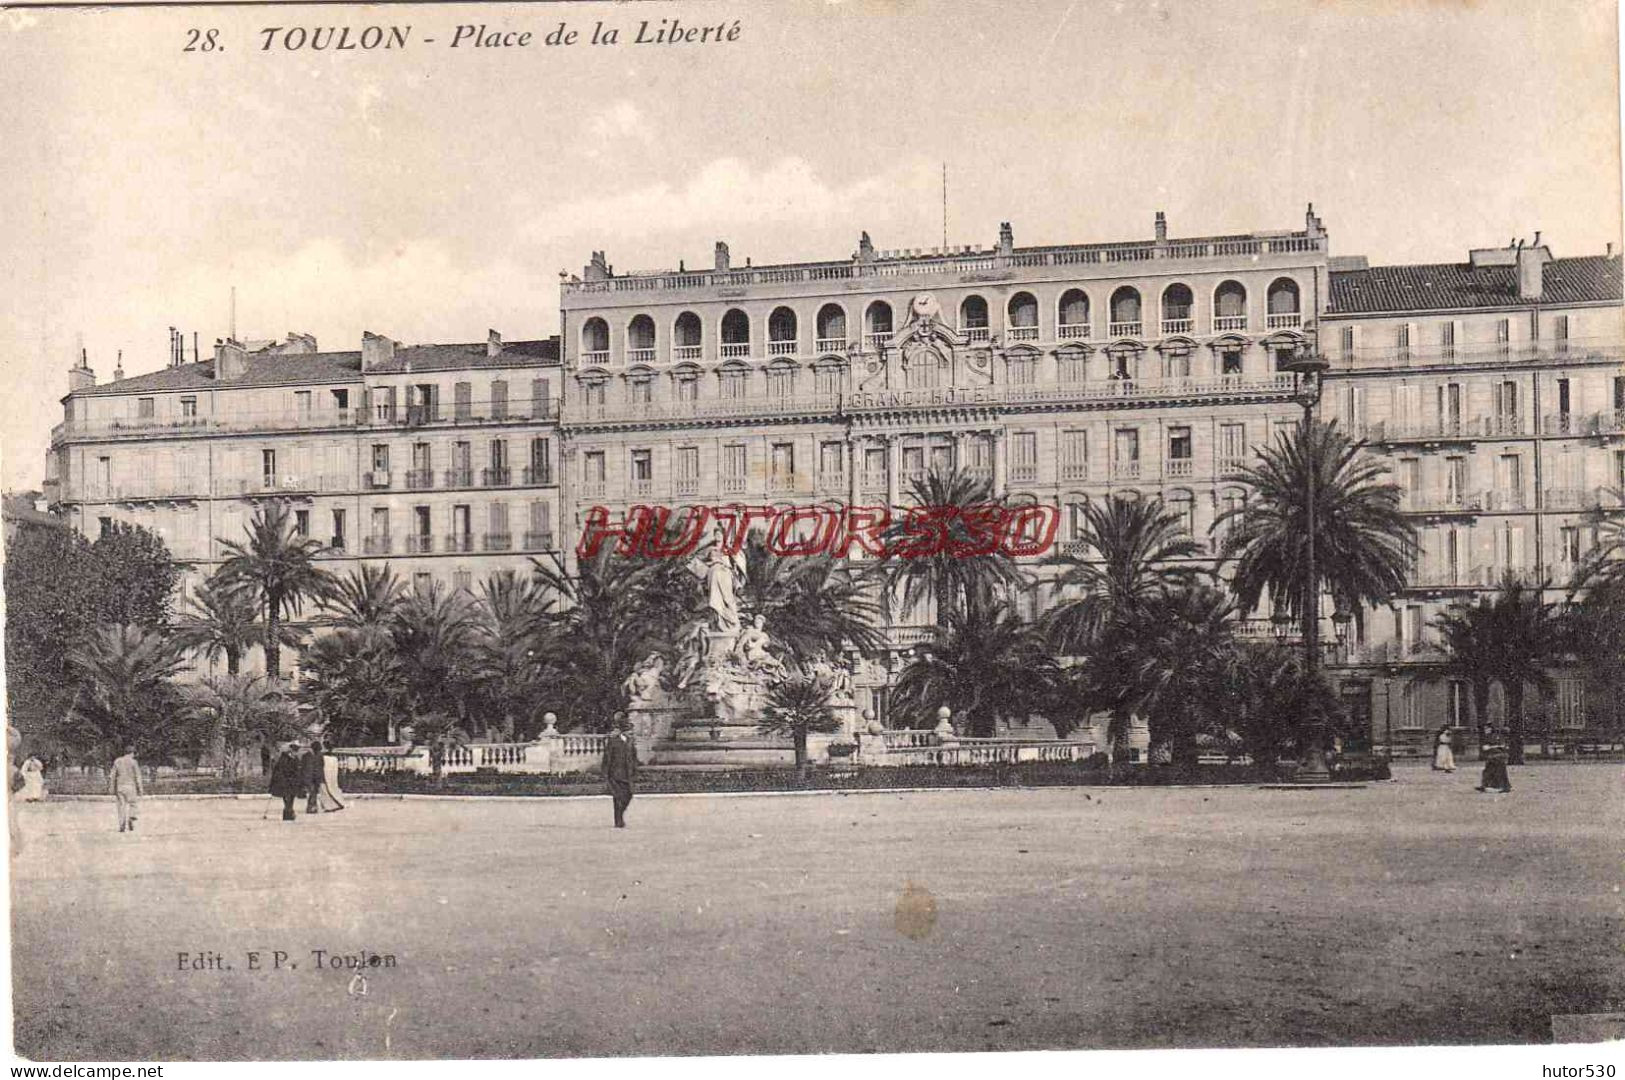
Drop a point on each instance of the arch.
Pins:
(595, 337)
(782, 326)
(640, 332)
(1178, 307)
(688, 332)
(1022, 311)
(735, 327)
(1181, 502)
(973, 313)
(1229, 306)
(831, 326)
(1282, 298)
(877, 318)
(1072, 314)
(1125, 312)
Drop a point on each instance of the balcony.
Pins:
(1447, 428)
(976, 334)
(499, 541)
(1572, 498)
(376, 480)
(642, 487)
(781, 348)
(593, 489)
(1072, 332)
(538, 541)
(1024, 473)
(1441, 502)
(1125, 470)
(532, 476)
(460, 543)
(1021, 333)
(1178, 326)
(1074, 470)
(688, 352)
(1178, 468)
(459, 478)
(338, 545)
(1223, 324)
(1125, 329)
(592, 357)
(831, 345)
(640, 356)
(498, 477)
(686, 486)
(1514, 499)
(832, 481)
(1602, 423)
(781, 483)
(377, 545)
(1284, 320)
(874, 342)
(735, 350)
(733, 485)
(420, 544)
(420, 479)
(154, 488)
(874, 482)
(1232, 466)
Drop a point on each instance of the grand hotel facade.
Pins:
(1493, 386)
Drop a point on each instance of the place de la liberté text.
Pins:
(658, 32)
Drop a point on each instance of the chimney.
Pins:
(1531, 261)
(723, 262)
(1312, 225)
(377, 349)
(1007, 239)
(118, 370)
(493, 343)
(866, 248)
(80, 377)
(1162, 227)
(230, 361)
(597, 269)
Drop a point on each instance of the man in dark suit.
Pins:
(287, 779)
(620, 766)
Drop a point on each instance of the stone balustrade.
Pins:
(556, 753)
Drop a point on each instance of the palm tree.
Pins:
(1530, 631)
(219, 621)
(797, 706)
(510, 628)
(1170, 661)
(985, 665)
(1364, 546)
(441, 733)
(1604, 565)
(816, 606)
(606, 619)
(365, 599)
(352, 679)
(1470, 638)
(1596, 625)
(955, 583)
(278, 567)
(433, 634)
(1135, 547)
(126, 693)
(241, 710)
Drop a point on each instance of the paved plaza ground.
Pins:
(1416, 911)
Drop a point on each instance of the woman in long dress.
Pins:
(332, 797)
(33, 780)
(1444, 756)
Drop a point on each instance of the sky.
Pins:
(431, 193)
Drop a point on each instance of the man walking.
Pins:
(125, 784)
(313, 766)
(287, 777)
(620, 766)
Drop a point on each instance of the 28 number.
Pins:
(203, 41)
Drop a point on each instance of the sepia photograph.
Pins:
(696, 529)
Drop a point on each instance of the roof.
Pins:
(1457, 286)
(19, 508)
(295, 369)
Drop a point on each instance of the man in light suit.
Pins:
(620, 766)
(125, 782)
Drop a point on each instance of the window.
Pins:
(541, 398)
(541, 525)
(733, 385)
(1182, 504)
(1074, 455)
(1074, 314)
(383, 404)
(688, 387)
(781, 382)
(1410, 475)
(1230, 362)
(1455, 480)
(643, 466)
(1126, 453)
(1177, 363)
(733, 461)
(105, 525)
(1450, 408)
(1179, 443)
(188, 406)
(338, 529)
(1232, 445)
(735, 333)
(499, 399)
(1509, 478)
(499, 454)
(1346, 342)
(462, 401)
(380, 521)
(1073, 366)
(268, 467)
(1125, 312)
(688, 464)
(499, 535)
(1024, 455)
(462, 526)
(1571, 702)
(925, 370)
(783, 465)
(1402, 341)
(640, 391)
(1503, 335)
(144, 408)
(1457, 705)
(1560, 332)
(422, 581)
(1023, 370)
(462, 461)
(831, 328)
(592, 467)
(1619, 470)
(1568, 543)
(301, 523)
(421, 521)
(1563, 397)
(1506, 399)
(831, 459)
(1447, 340)
(462, 580)
(541, 461)
(1619, 394)
(1409, 714)
(1023, 314)
(301, 402)
(827, 380)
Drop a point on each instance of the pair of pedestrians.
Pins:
(304, 770)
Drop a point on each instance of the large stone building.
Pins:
(1064, 373)
(439, 458)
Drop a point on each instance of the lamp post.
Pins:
(1307, 367)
